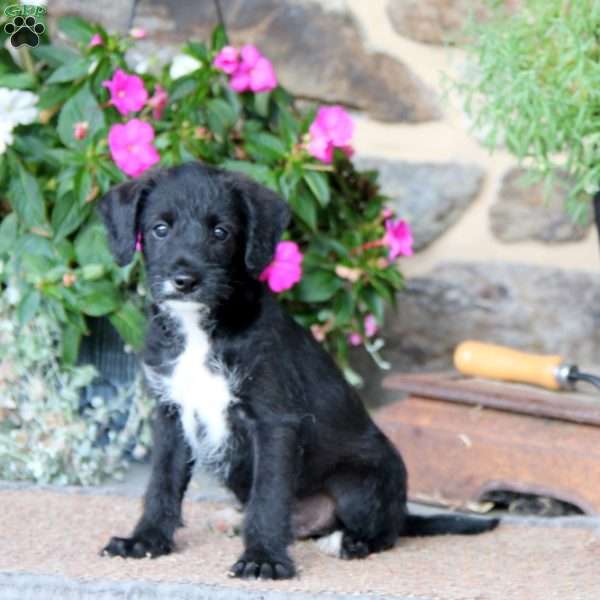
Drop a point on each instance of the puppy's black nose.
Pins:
(184, 282)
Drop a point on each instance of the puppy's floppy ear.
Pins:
(119, 209)
(267, 216)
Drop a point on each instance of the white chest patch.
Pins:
(201, 389)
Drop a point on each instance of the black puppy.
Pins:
(242, 389)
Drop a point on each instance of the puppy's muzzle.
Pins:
(186, 283)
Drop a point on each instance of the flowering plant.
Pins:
(81, 119)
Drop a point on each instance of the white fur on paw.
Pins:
(331, 544)
(227, 521)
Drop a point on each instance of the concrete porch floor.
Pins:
(50, 539)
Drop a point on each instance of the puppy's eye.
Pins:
(161, 230)
(220, 233)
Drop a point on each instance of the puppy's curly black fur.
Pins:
(241, 388)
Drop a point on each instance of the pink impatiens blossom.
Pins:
(254, 72)
(131, 147)
(399, 238)
(355, 339)
(371, 328)
(158, 101)
(332, 128)
(227, 60)
(127, 92)
(286, 268)
(96, 40)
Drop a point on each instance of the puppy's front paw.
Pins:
(149, 544)
(255, 564)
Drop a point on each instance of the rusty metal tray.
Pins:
(462, 438)
(451, 386)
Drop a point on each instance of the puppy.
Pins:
(242, 390)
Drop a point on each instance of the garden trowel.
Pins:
(490, 361)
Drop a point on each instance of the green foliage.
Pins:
(56, 270)
(50, 181)
(43, 435)
(534, 87)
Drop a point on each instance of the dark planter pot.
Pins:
(105, 350)
(596, 203)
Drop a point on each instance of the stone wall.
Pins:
(518, 266)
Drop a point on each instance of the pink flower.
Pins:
(131, 146)
(355, 339)
(286, 268)
(127, 92)
(332, 128)
(80, 130)
(158, 101)
(254, 72)
(96, 40)
(371, 327)
(227, 60)
(387, 212)
(399, 238)
(137, 33)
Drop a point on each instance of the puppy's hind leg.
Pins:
(171, 472)
(370, 505)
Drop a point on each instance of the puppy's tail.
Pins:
(417, 525)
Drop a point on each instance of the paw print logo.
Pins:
(24, 32)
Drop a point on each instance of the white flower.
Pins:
(17, 107)
(6, 136)
(183, 64)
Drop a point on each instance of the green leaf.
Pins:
(221, 117)
(70, 71)
(198, 51)
(36, 265)
(218, 38)
(260, 173)
(28, 307)
(130, 322)
(319, 186)
(261, 103)
(8, 233)
(17, 81)
(343, 306)
(91, 246)
(182, 88)
(304, 206)
(265, 147)
(77, 29)
(318, 286)
(374, 303)
(83, 186)
(34, 244)
(68, 215)
(98, 298)
(81, 107)
(53, 95)
(26, 198)
(71, 339)
(92, 272)
(54, 55)
(288, 126)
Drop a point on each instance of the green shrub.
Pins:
(55, 165)
(533, 86)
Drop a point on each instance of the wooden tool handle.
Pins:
(498, 362)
